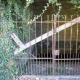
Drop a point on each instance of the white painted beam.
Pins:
(17, 40)
(48, 34)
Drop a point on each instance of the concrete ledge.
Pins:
(37, 77)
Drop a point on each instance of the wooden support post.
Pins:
(53, 43)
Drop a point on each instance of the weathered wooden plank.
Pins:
(17, 40)
(48, 34)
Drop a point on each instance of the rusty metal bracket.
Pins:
(56, 52)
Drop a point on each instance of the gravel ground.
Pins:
(45, 68)
(61, 68)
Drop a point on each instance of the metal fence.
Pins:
(56, 48)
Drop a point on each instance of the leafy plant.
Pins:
(8, 11)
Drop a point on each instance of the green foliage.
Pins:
(75, 1)
(76, 6)
(8, 11)
(37, 16)
(52, 1)
(7, 67)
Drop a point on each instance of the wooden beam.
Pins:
(17, 40)
(48, 34)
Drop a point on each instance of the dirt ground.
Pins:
(44, 68)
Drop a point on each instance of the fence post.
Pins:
(53, 43)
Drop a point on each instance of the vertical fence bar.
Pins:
(70, 42)
(77, 38)
(47, 41)
(53, 42)
(41, 36)
(73, 64)
(64, 42)
(30, 50)
(76, 47)
(76, 44)
(78, 60)
(20, 67)
(51, 47)
(61, 72)
(36, 45)
(71, 37)
(41, 46)
(58, 44)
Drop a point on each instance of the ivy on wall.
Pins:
(8, 11)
